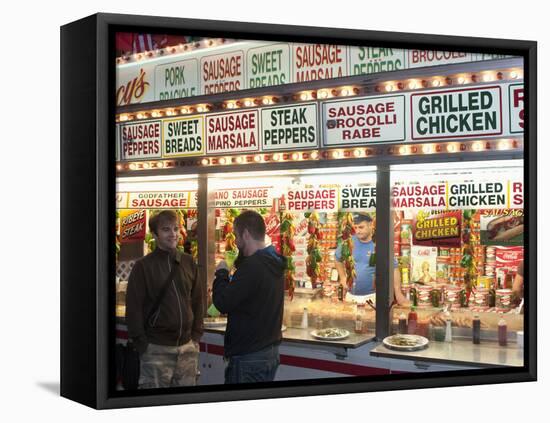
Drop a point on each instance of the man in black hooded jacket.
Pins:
(253, 299)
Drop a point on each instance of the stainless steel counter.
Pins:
(461, 352)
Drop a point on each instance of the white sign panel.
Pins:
(424, 58)
(364, 120)
(222, 73)
(244, 197)
(457, 113)
(140, 140)
(162, 200)
(289, 127)
(367, 60)
(177, 80)
(232, 132)
(313, 62)
(268, 66)
(516, 104)
(183, 137)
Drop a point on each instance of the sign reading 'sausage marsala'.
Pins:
(466, 113)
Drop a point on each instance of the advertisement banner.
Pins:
(312, 62)
(358, 198)
(504, 227)
(134, 84)
(419, 196)
(121, 200)
(367, 60)
(177, 80)
(290, 127)
(424, 58)
(132, 225)
(456, 113)
(364, 120)
(244, 197)
(516, 105)
(140, 140)
(162, 200)
(183, 137)
(232, 132)
(222, 72)
(442, 230)
(459, 195)
(304, 199)
(268, 65)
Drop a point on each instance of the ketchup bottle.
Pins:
(412, 318)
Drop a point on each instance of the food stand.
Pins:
(428, 143)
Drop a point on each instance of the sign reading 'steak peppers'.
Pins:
(463, 113)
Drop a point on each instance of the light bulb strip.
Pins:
(418, 149)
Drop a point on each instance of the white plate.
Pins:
(419, 342)
(315, 334)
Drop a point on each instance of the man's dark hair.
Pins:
(157, 220)
(361, 217)
(253, 221)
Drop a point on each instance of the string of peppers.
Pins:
(313, 268)
(227, 232)
(287, 248)
(467, 262)
(346, 242)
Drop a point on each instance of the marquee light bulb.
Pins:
(336, 154)
(323, 94)
(389, 88)
(427, 149)
(257, 158)
(205, 162)
(477, 146)
(314, 155)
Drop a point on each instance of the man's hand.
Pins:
(222, 265)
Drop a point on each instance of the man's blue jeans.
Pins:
(259, 366)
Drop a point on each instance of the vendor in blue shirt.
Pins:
(363, 248)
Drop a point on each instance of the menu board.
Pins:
(183, 137)
(290, 127)
(268, 65)
(368, 60)
(222, 73)
(312, 62)
(178, 79)
(456, 113)
(232, 132)
(364, 120)
(140, 140)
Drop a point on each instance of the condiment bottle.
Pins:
(476, 329)
(413, 317)
(358, 323)
(304, 324)
(402, 328)
(448, 328)
(319, 322)
(502, 331)
(340, 292)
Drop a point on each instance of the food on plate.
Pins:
(331, 333)
(505, 228)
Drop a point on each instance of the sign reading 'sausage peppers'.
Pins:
(466, 113)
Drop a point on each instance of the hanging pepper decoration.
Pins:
(227, 232)
(182, 236)
(313, 260)
(468, 247)
(195, 250)
(346, 242)
(287, 249)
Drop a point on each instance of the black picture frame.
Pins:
(88, 193)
